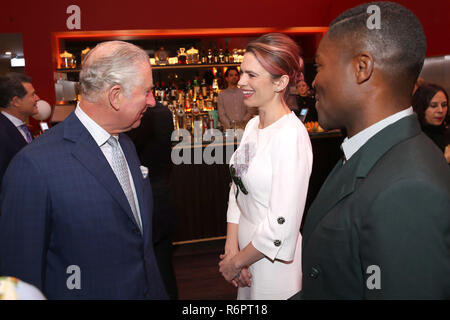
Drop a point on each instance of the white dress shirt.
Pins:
(101, 137)
(17, 122)
(351, 145)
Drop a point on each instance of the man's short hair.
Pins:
(11, 86)
(399, 46)
(119, 66)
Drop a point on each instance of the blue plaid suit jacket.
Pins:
(62, 206)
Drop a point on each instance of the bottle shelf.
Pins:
(169, 67)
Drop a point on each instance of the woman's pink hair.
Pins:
(279, 55)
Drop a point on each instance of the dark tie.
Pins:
(27, 132)
(344, 159)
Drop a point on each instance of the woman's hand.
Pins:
(228, 267)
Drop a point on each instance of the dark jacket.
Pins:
(11, 141)
(387, 207)
(153, 145)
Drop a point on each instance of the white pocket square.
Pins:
(144, 171)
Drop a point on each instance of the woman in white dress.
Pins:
(270, 171)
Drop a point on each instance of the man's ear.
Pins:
(281, 83)
(15, 101)
(363, 65)
(115, 96)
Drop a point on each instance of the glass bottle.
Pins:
(204, 88)
(216, 56)
(227, 56)
(210, 56)
(221, 56)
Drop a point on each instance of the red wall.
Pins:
(37, 19)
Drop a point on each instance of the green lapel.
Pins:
(341, 182)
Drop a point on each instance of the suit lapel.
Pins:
(13, 131)
(341, 182)
(89, 154)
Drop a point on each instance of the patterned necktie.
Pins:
(27, 132)
(120, 168)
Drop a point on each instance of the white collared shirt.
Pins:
(101, 136)
(17, 122)
(351, 145)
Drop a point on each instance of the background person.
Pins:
(430, 102)
(305, 99)
(270, 170)
(17, 102)
(153, 145)
(76, 209)
(231, 107)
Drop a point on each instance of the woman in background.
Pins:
(430, 102)
(270, 171)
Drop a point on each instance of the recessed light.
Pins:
(8, 53)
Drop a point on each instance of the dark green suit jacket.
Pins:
(380, 226)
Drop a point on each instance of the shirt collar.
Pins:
(16, 121)
(351, 145)
(99, 134)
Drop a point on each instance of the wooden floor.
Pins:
(197, 272)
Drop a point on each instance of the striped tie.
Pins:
(120, 168)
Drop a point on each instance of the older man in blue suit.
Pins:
(77, 208)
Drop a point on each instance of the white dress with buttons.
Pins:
(274, 165)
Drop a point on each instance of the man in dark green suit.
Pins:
(380, 226)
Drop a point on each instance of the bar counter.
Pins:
(200, 191)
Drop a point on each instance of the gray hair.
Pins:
(111, 63)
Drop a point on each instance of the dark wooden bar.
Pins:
(200, 191)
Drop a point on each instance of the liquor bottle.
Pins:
(189, 91)
(196, 88)
(204, 88)
(227, 56)
(221, 56)
(215, 85)
(157, 91)
(197, 123)
(203, 57)
(167, 93)
(173, 92)
(215, 100)
(187, 102)
(210, 56)
(180, 117)
(216, 56)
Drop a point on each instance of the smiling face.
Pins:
(333, 85)
(256, 83)
(133, 105)
(437, 110)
